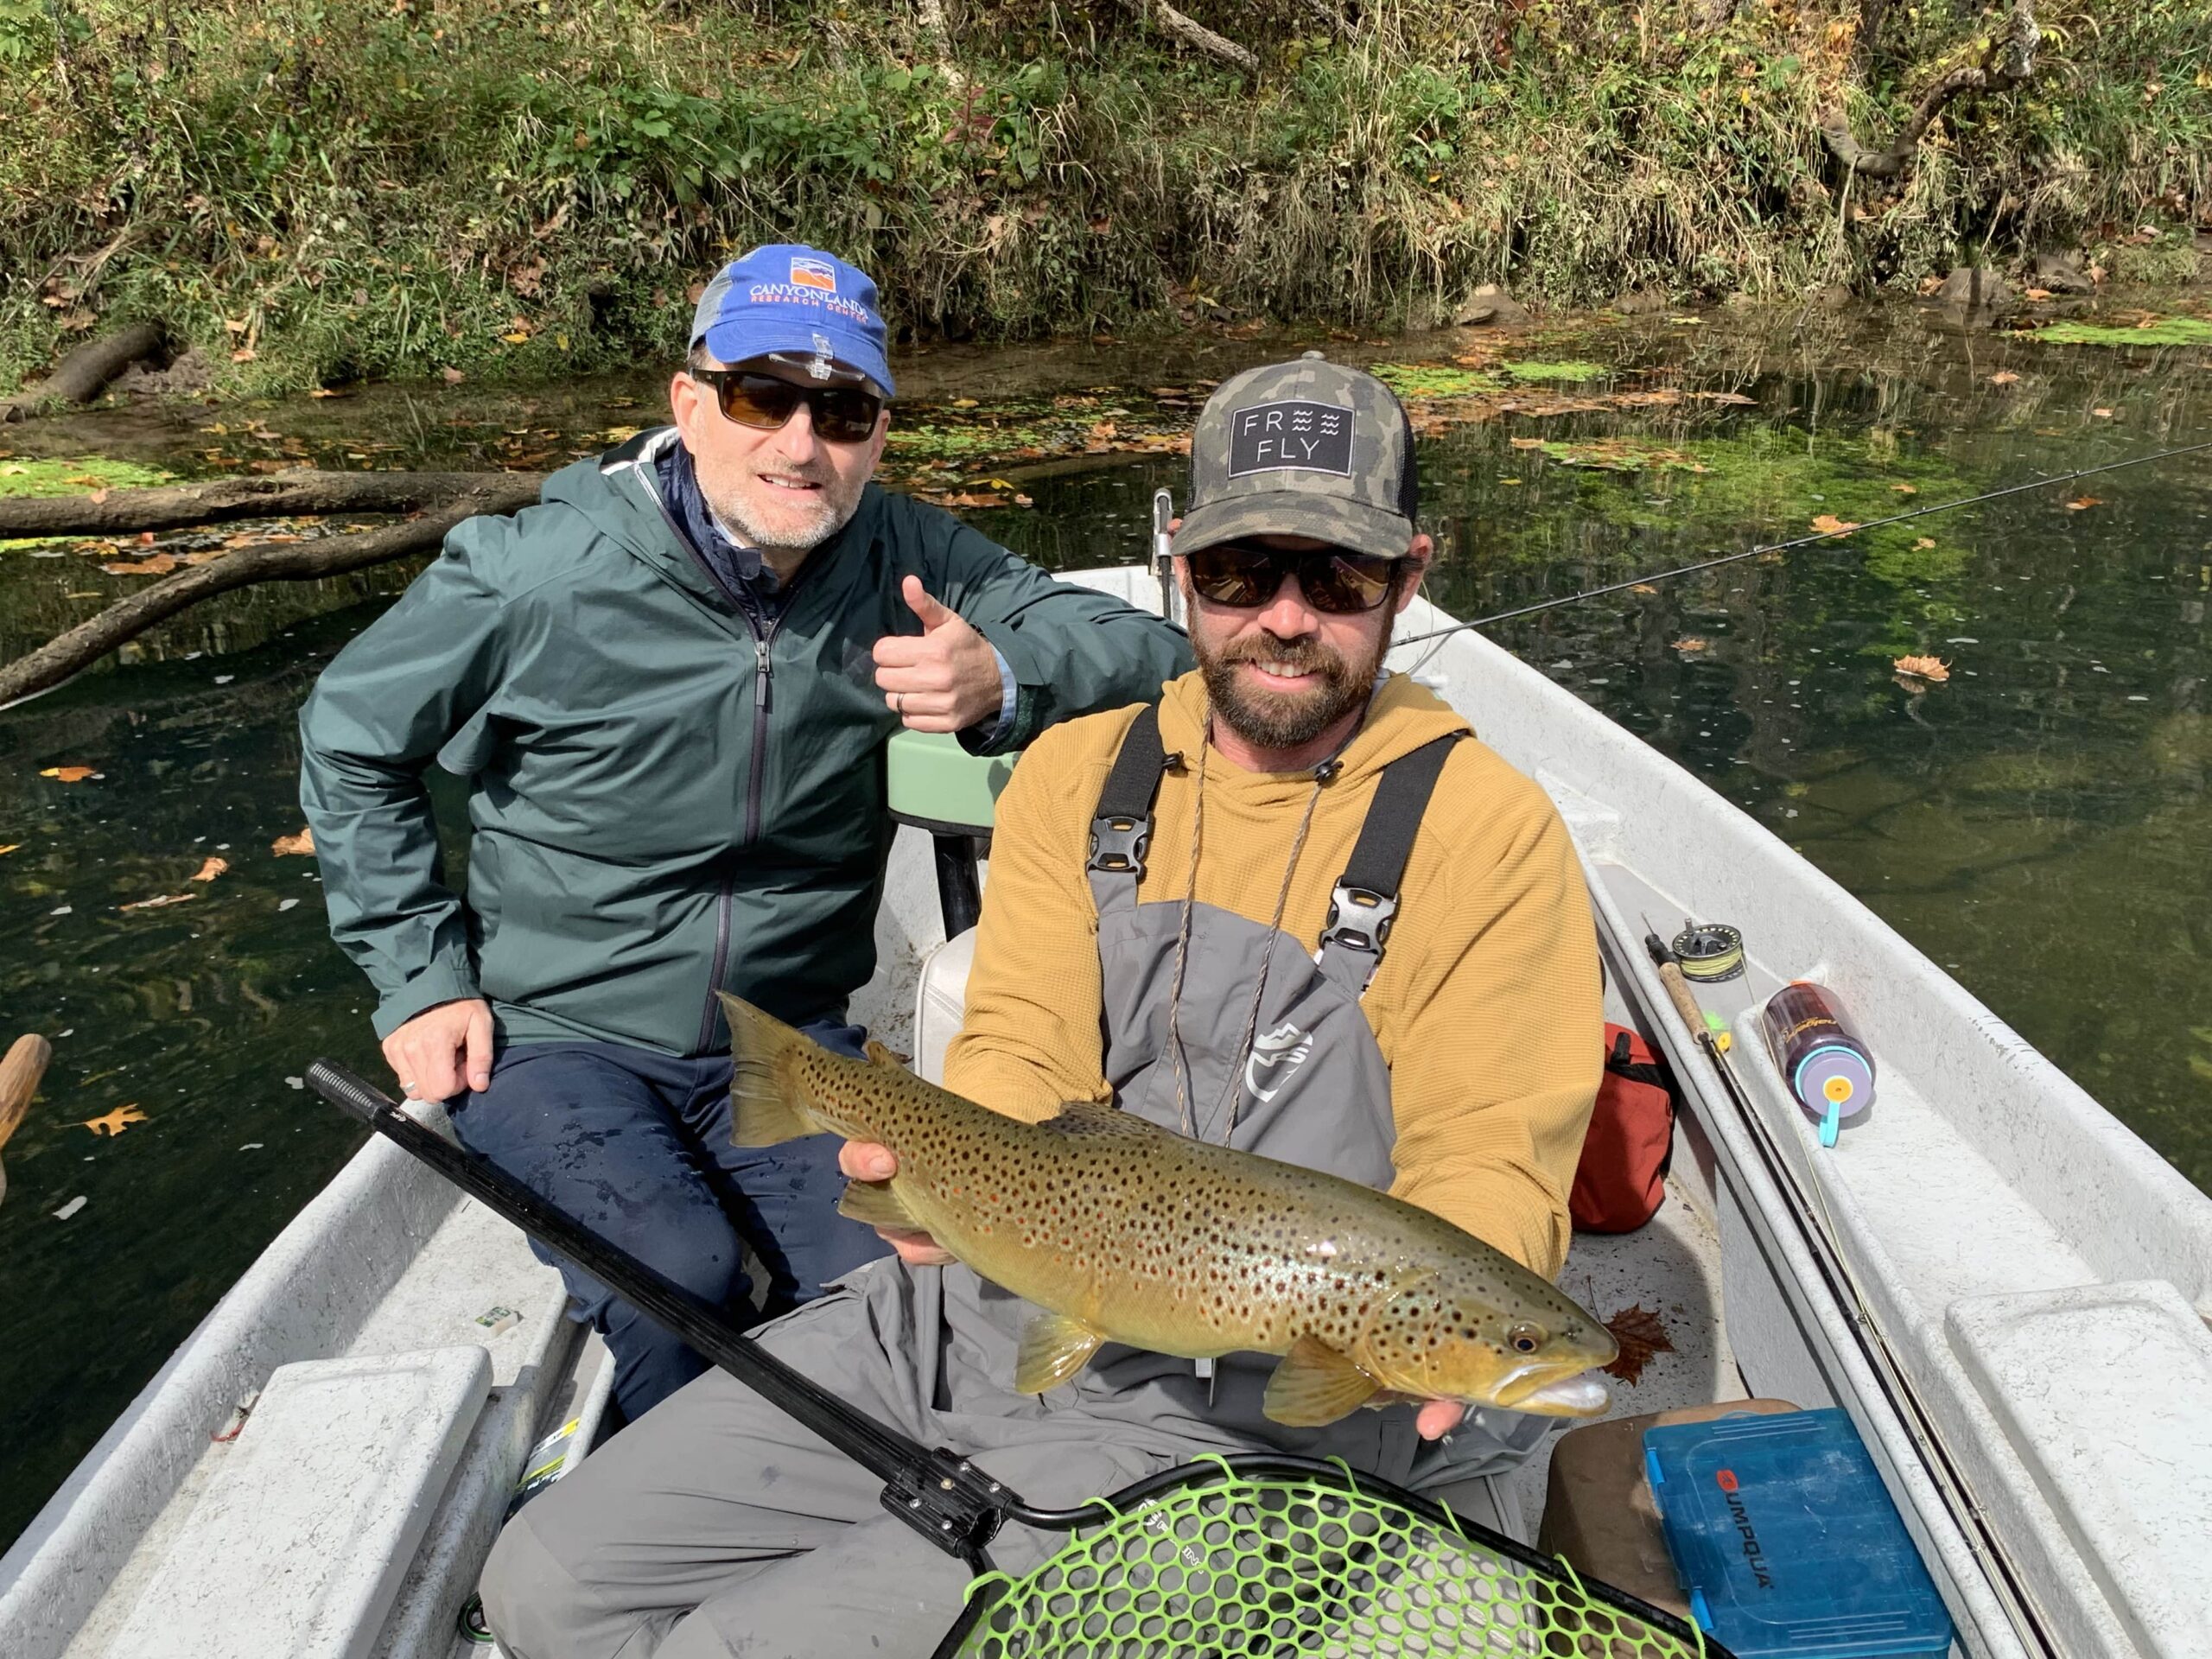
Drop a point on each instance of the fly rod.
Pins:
(1817, 1232)
(1719, 559)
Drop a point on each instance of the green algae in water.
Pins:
(1570, 373)
(2167, 331)
(1433, 380)
(74, 475)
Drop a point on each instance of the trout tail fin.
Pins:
(767, 1103)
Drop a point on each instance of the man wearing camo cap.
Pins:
(1296, 907)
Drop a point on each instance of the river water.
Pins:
(2037, 823)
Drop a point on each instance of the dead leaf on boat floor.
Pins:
(1641, 1335)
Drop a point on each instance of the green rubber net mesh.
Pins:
(1271, 1566)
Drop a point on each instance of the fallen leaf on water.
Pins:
(1644, 587)
(1828, 524)
(1924, 668)
(2004, 378)
(1689, 644)
(325, 391)
(9, 848)
(285, 846)
(157, 902)
(1906, 489)
(116, 1122)
(2083, 503)
(1640, 1336)
(70, 1208)
(160, 565)
(1924, 543)
(2101, 414)
(210, 869)
(69, 774)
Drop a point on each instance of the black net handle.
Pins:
(943, 1496)
(1279, 1466)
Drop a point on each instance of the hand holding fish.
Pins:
(870, 1160)
(1119, 1230)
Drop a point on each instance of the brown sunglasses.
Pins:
(841, 414)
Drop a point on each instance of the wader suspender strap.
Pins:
(1366, 900)
(1120, 830)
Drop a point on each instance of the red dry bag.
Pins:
(1622, 1179)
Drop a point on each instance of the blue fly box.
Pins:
(1786, 1541)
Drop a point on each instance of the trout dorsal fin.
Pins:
(764, 1108)
(1053, 1349)
(1315, 1385)
(1091, 1117)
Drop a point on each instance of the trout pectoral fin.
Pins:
(882, 1056)
(876, 1204)
(1053, 1349)
(762, 1111)
(1315, 1385)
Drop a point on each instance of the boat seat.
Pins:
(940, 1000)
(302, 1536)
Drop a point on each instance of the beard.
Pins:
(1275, 719)
(799, 527)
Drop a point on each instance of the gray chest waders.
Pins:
(1250, 1549)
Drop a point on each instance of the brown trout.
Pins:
(1122, 1231)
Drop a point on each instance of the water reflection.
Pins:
(2038, 823)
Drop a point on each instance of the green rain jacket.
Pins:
(666, 797)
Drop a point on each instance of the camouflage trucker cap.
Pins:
(1303, 448)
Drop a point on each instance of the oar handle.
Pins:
(948, 1500)
(20, 1072)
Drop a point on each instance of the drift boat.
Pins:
(2003, 1287)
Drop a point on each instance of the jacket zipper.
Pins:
(762, 675)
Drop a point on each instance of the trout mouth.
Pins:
(1581, 1395)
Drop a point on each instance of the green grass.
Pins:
(2166, 331)
(309, 191)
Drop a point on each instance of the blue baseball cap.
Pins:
(797, 304)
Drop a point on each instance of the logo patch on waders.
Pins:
(1276, 1055)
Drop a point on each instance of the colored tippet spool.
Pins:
(1709, 952)
(1828, 1070)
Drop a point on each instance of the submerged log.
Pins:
(326, 556)
(84, 374)
(279, 495)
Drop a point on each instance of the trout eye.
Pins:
(1525, 1338)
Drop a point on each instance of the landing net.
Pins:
(1221, 1560)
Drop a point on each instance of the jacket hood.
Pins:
(1401, 717)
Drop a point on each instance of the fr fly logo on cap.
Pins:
(1290, 435)
(814, 273)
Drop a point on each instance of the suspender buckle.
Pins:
(1118, 844)
(1359, 918)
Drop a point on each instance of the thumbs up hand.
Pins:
(944, 679)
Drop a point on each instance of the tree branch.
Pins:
(327, 556)
(2010, 60)
(1193, 33)
(84, 374)
(276, 496)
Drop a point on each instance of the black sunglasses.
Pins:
(1335, 580)
(841, 414)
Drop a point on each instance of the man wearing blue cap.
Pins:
(669, 685)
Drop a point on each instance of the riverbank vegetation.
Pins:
(305, 190)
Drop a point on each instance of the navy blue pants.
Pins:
(635, 1144)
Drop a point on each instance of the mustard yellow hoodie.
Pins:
(1487, 1003)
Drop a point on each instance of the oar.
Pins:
(19, 1074)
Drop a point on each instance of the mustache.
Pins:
(1301, 656)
